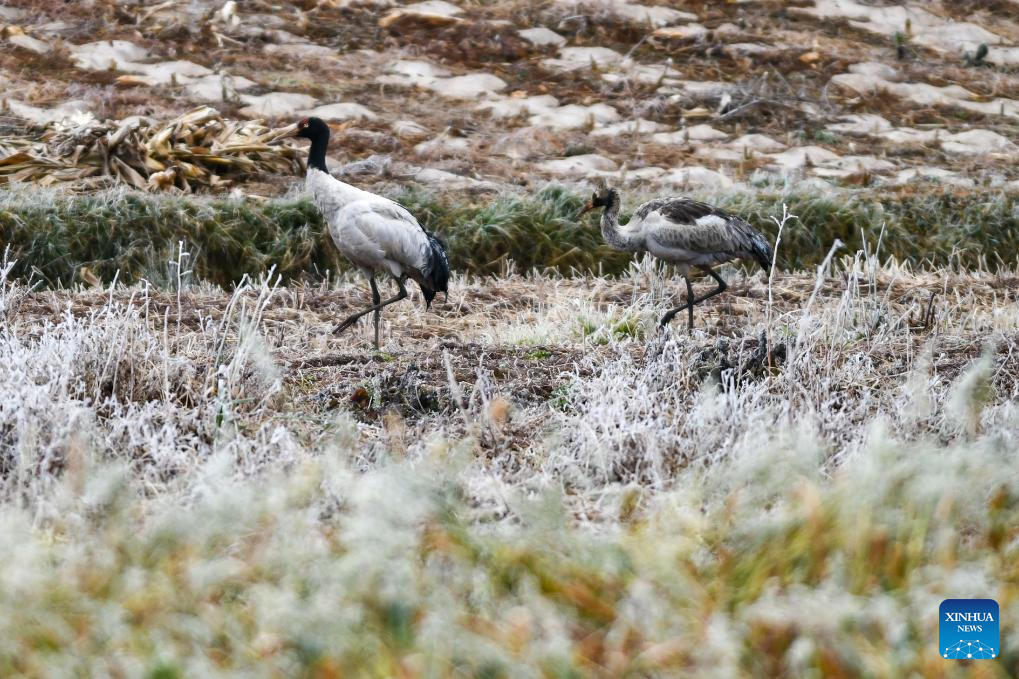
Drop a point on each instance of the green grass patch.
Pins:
(137, 236)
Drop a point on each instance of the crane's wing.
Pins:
(380, 231)
(695, 227)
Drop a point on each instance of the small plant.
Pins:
(559, 399)
(629, 327)
(902, 50)
(827, 137)
(587, 327)
(977, 58)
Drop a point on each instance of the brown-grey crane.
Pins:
(684, 232)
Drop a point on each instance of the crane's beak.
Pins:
(288, 131)
(587, 208)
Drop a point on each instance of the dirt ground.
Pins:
(794, 72)
(513, 347)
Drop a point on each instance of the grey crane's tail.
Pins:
(761, 250)
(436, 274)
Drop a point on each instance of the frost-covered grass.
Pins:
(528, 481)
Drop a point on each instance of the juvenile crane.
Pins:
(683, 232)
(376, 234)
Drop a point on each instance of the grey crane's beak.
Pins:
(587, 208)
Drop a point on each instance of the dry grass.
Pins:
(199, 149)
(529, 479)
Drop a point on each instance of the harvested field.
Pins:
(533, 450)
(199, 478)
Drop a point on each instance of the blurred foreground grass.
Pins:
(326, 572)
(137, 236)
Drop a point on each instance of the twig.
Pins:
(740, 109)
(454, 388)
(774, 258)
(928, 315)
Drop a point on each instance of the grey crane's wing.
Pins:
(384, 231)
(697, 228)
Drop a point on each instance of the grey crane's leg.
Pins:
(691, 300)
(376, 307)
(689, 305)
(377, 316)
(667, 318)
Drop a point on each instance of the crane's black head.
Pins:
(318, 132)
(604, 197)
(313, 129)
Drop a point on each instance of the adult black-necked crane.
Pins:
(376, 234)
(684, 232)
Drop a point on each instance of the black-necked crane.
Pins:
(376, 234)
(683, 232)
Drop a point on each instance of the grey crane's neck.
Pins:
(616, 236)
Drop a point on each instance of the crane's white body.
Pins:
(373, 232)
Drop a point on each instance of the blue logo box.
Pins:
(968, 629)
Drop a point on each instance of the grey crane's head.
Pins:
(313, 129)
(603, 197)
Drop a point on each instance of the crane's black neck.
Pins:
(317, 153)
(612, 203)
(317, 132)
(617, 237)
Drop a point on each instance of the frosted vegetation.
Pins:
(679, 504)
(529, 480)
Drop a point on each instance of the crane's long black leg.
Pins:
(400, 295)
(691, 300)
(376, 307)
(392, 300)
(377, 303)
(376, 298)
(667, 318)
(689, 304)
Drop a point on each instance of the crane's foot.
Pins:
(346, 324)
(667, 318)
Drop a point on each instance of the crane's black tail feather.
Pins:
(436, 275)
(762, 252)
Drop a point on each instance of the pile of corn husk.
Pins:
(199, 150)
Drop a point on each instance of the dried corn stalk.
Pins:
(198, 150)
